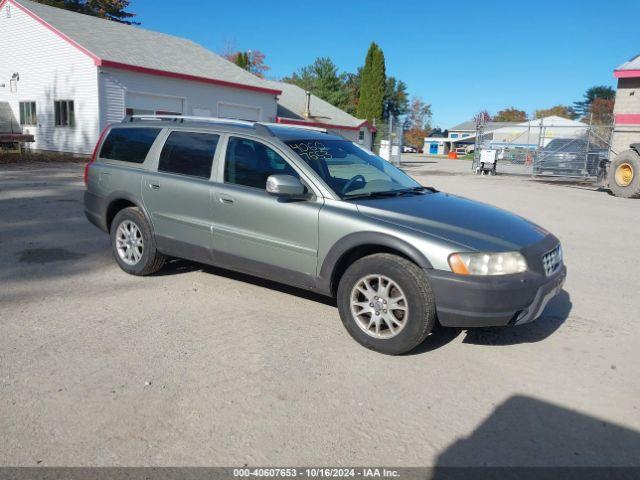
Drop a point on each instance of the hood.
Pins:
(471, 224)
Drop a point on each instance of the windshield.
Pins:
(351, 171)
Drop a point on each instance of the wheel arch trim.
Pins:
(120, 195)
(635, 147)
(357, 240)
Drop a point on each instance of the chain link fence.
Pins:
(543, 148)
(381, 139)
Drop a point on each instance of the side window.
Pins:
(188, 153)
(250, 163)
(129, 144)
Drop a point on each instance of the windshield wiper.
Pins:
(388, 193)
(391, 193)
(416, 190)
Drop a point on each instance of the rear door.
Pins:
(178, 194)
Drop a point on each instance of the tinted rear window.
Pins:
(188, 153)
(129, 144)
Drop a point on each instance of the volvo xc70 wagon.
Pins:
(311, 209)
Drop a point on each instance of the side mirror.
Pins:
(285, 186)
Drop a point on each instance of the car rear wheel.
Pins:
(133, 244)
(624, 175)
(386, 303)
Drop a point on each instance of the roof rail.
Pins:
(266, 126)
(183, 118)
(286, 125)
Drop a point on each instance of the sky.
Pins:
(460, 56)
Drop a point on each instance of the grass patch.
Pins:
(44, 157)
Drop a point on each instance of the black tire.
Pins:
(151, 260)
(417, 290)
(632, 190)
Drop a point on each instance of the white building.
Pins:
(537, 133)
(65, 76)
(527, 135)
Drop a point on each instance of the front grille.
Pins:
(552, 261)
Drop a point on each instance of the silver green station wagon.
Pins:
(311, 209)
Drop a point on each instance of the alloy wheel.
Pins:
(379, 306)
(129, 242)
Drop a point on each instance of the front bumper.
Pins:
(484, 301)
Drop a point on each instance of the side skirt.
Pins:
(176, 248)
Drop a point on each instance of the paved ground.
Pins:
(197, 366)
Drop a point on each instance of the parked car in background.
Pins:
(465, 149)
(314, 210)
(409, 149)
(570, 157)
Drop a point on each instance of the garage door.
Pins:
(238, 112)
(141, 103)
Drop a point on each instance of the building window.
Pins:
(361, 136)
(453, 135)
(28, 113)
(65, 113)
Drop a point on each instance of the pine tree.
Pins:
(373, 85)
(321, 78)
(114, 10)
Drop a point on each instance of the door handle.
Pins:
(154, 186)
(225, 199)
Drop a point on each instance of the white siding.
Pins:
(353, 135)
(116, 85)
(50, 69)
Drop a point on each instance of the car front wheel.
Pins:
(386, 303)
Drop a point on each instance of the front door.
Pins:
(257, 232)
(178, 195)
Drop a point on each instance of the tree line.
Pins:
(368, 93)
(596, 107)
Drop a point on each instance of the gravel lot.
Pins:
(198, 366)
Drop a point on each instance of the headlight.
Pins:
(487, 263)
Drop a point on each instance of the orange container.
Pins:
(453, 155)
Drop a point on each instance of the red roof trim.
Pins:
(184, 76)
(303, 123)
(626, 73)
(150, 71)
(53, 29)
(628, 119)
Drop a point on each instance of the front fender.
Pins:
(364, 239)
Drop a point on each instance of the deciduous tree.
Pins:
(601, 111)
(252, 61)
(563, 111)
(482, 116)
(510, 115)
(601, 91)
(396, 99)
(418, 122)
